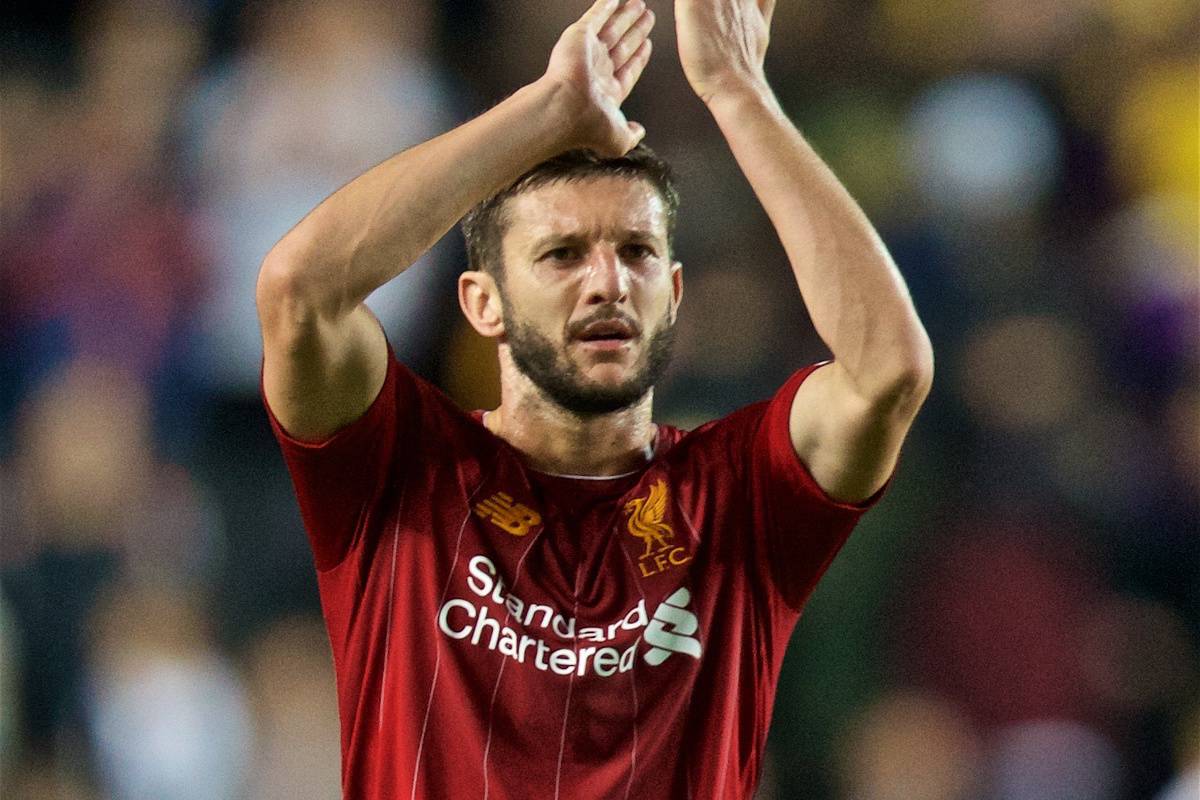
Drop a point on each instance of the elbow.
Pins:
(911, 380)
(903, 383)
(277, 287)
(277, 275)
(918, 382)
(284, 293)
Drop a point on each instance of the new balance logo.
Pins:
(516, 518)
(671, 630)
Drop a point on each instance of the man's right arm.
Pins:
(324, 354)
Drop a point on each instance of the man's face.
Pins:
(590, 291)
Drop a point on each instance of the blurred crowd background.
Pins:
(1019, 619)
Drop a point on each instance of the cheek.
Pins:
(656, 297)
(538, 314)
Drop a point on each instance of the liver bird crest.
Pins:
(646, 518)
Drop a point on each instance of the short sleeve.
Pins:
(338, 478)
(801, 527)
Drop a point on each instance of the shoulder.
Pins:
(677, 442)
(713, 451)
(759, 430)
(437, 422)
(412, 412)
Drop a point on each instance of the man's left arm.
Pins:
(848, 419)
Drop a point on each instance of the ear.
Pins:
(676, 288)
(479, 299)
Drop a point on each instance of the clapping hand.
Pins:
(722, 44)
(598, 60)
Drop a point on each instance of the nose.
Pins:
(607, 278)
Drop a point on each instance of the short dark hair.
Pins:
(484, 226)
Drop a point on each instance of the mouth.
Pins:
(609, 334)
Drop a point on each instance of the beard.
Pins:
(560, 379)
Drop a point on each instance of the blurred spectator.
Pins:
(1138, 657)
(103, 260)
(1148, 277)
(167, 714)
(318, 92)
(31, 146)
(911, 746)
(89, 502)
(1053, 760)
(315, 92)
(297, 753)
(721, 356)
(995, 622)
(1027, 374)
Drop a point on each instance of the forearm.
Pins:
(855, 296)
(374, 227)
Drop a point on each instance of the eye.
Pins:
(561, 254)
(637, 252)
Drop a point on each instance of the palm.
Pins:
(722, 42)
(601, 58)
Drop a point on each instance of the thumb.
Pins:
(636, 134)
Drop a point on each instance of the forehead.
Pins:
(606, 206)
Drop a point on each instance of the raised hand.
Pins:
(599, 59)
(722, 43)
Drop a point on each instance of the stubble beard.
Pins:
(549, 367)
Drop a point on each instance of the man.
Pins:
(560, 598)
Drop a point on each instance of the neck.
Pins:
(559, 441)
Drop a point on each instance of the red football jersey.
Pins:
(499, 632)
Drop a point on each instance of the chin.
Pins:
(609, 375)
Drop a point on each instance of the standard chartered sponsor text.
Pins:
(479, 622)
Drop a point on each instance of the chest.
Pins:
(582, 579)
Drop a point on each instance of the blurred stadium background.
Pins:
(1018, 620)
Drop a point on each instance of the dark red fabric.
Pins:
(499, 632)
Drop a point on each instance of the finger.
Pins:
(627, 76)
(632, 40)
(766, 8)
(621, 21)
(594, 18)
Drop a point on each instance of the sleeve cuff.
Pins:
(787, 463)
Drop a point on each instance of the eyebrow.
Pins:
(551, 240)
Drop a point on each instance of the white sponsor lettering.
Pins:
(669, 631)
(444, 618)
(482, 573)
(484, 581)
(460, 619)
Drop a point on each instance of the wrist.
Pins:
(733, 97)
(560, 105)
